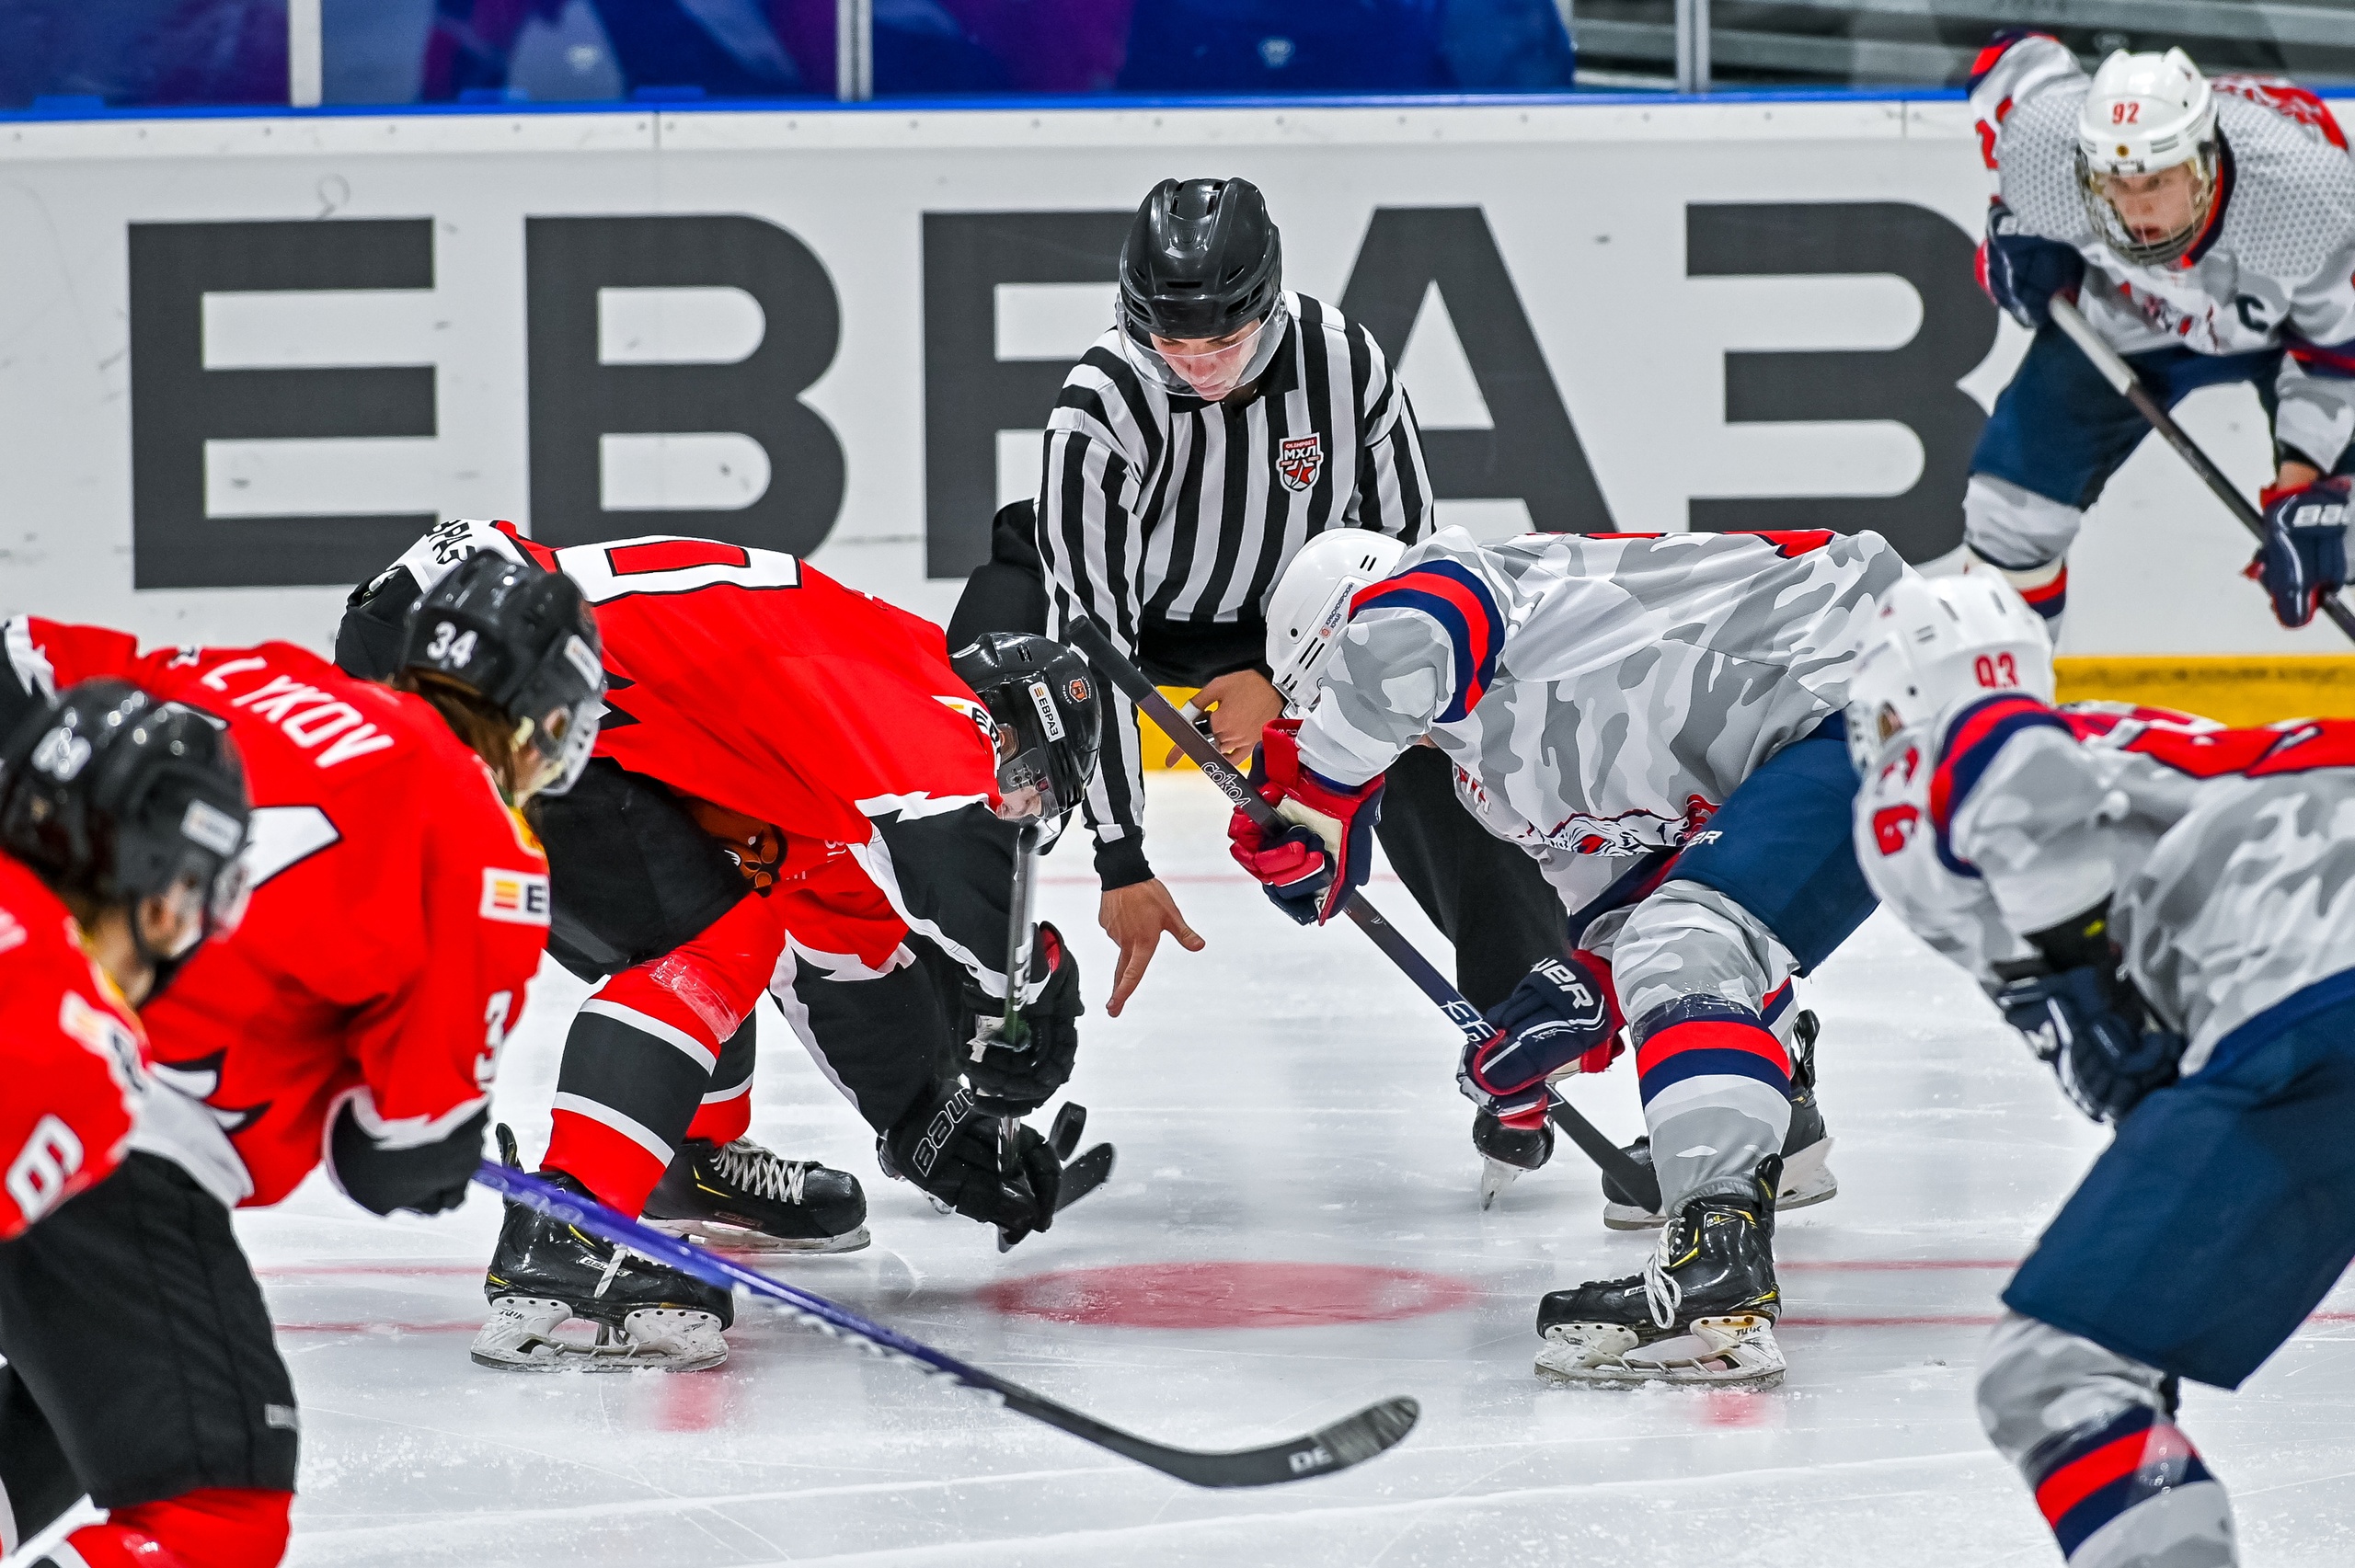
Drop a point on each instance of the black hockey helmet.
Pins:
(524, 641)
(1201, 260)
(1049, 721)
(107, 792)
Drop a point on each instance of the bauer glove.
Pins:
(950, 1149)
(2303, 554)
(1310, 868)
(1561, 1015)
(2089, 1025)
(1014, 1080)
(2022, 271)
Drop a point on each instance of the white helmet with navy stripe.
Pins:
(1930, 644)
(1310, 603)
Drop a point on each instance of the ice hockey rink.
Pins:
(1293, 1232)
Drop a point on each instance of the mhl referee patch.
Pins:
(1300, 459)
(518, 898)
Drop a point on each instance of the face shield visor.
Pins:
(564, 702)
(1210, 374)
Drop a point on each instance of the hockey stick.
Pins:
(1325, 1451)
(1089, 637)
(2121, 375)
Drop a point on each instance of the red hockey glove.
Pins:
(1563, 1014)
(1310, 869)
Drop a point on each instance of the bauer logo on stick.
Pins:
(1300, 459)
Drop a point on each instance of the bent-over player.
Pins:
(2165, 909)
(795, 791)
(2207, 231)
(397, 914)
(1655, 720)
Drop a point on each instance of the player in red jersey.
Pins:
(120, 822)
(399, 911)
(793, 791)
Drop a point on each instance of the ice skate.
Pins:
(546, 1273)
(740, 1195)
(1807, 1149)
(1700, 1315)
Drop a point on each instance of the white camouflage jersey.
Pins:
(2275, 268)
(1599, 695)
(2228, 854)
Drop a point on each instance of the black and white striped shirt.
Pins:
(1159, 509)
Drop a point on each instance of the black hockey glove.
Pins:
(950, 1149)
(427, 1178)
(2090, 1026)
(1015, 1079)
(2022, 272)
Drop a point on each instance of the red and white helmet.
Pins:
(1931, 644)
(2146, 113)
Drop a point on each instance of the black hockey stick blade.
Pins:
(1064, 1134)
(1326, 1452)
(1084, 1174)
(2121, 375)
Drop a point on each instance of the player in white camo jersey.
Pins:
(2165, 908)
(1657, 720)
(2206, 228)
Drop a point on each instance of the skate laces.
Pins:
(762, 1173)
(1661, 1291)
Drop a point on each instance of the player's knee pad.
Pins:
(2023, 536)
(216, 1527)
(1691, 939)
(2038, 1382)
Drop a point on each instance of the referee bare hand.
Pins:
(1134, 917)
(1240, 704)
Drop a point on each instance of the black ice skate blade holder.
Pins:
(1088, 639)
(2120, 376)
(1325, 1451)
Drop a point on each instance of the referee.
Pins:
(1201, 442)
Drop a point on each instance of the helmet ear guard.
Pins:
(1042, 699)
(1934, 646)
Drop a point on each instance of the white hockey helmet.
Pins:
(2145, 114)
(1310, 603)
(1931, 644)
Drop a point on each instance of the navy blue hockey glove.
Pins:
(1014, 1080)
(2091, 1028)
(2022, 271)
(2303, 554)
(1562, 1012)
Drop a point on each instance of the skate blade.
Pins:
(523, 1335)
(1807, 1181)
(1713, 1353)
(744, 1238)
(1495, 1177)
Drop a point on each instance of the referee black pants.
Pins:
(1486, 895)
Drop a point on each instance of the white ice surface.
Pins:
(1283, 1096)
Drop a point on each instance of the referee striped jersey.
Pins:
(1157, 508)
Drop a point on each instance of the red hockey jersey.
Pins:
(399, 907)
(747, 679)
(71, 1054)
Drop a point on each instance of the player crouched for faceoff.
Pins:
(1656, 719)
(120, 821)
(2165, 910)
(2206, 229)
(794, 791)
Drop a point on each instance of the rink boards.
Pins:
(242, 359)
